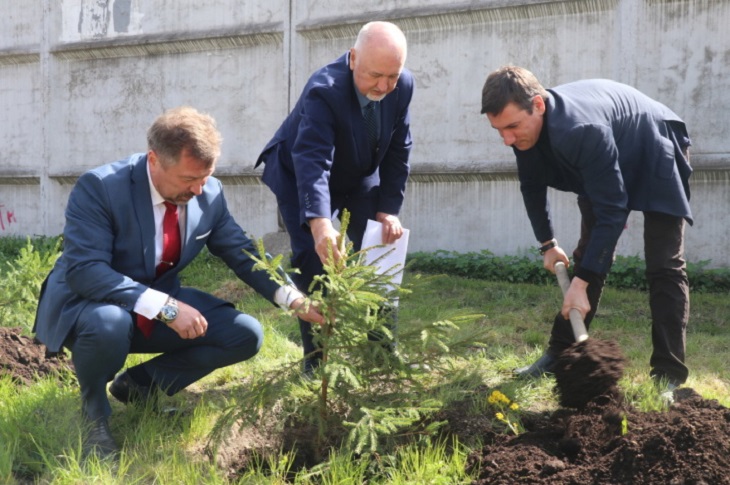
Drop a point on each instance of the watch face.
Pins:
(169, 313)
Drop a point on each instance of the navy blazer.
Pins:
(617, 147)
(109, 248)
(321, 149)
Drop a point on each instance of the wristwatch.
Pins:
(169, 311)
(548, 246)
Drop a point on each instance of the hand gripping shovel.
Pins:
(576, 319)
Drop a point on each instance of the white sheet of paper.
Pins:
(395, 254)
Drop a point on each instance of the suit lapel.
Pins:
(142, 201)
(360, 131)
(193, 213)
(387, 122)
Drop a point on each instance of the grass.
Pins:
(40, 427)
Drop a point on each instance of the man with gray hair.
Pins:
(344, 146)
(131, 227)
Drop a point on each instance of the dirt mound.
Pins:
(587, 370)
(608, 444)
(25, 360)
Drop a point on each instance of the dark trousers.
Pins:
(668, 292)
(304, 257)
(105, 334)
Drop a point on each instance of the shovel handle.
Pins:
(576, 319)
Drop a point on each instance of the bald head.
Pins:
(377, 59)
(382, 36)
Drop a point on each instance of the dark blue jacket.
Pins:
(321, 149)
(617, 147)
(109, 248)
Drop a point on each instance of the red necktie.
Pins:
(170, 255)
(170, 239)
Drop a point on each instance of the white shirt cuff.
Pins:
(150, 303)
(285, 296)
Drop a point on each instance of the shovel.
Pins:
(589, 368)
(576, 320)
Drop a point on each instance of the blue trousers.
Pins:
(106, 334)
(361, 206)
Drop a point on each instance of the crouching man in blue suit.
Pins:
(131, 227)
(619, 151)
(344, 146)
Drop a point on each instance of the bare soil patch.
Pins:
(25, 360)
(608, 443)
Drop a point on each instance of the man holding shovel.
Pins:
(619, 151)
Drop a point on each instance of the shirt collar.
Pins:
(156, 197)
(544, 134)
(361, 98)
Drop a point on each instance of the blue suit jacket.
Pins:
(617, 147)
(109, 248)
(321, 149)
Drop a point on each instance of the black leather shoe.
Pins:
(100, 442)
(309, 367)
(126, 390)
(542, 366)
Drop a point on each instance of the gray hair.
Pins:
(184, 127)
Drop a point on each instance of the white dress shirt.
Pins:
(151, 301)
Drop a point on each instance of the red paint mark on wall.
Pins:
(7, 217)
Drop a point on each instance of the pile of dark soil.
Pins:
(587, 370)
(607, 443)
(25, 360)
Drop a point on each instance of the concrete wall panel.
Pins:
(81, 80)
(485, 207)
(707, 239)
(252, 205)
(116, 99)
(103, 110)
(451, 70)
(21, 103)
(20, 205)
(20, 24)
(690, 50)
(54, 199)
(93, 19)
